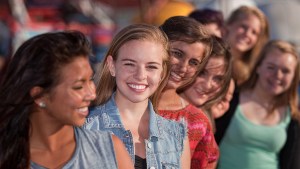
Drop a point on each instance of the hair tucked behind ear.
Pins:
(106, 84)
(37, 62)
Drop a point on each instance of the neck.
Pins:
(170, 100)
(131, 110)
(259, 96)
(47, 134)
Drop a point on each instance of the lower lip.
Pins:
(85, 113)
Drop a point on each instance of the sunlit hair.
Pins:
(188, 30)
(37, 62)
(106, 83)
(250, 57)
(289, 97)
(220, 50)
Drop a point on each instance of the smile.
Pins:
(138, 87)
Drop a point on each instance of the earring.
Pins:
(42, 105)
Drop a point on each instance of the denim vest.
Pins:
(94, 150)
(164, 145)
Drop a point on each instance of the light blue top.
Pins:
(164, 145)
(94, 150)
(250, 146)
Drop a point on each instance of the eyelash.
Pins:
(176, 53)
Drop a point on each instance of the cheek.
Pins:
(155, 77)
(173, 60)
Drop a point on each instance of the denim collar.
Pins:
(155, 123)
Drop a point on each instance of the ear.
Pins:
(35, 93)
(111, 65)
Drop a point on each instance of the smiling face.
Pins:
(185, 60)
(207, 83)
(243, 34)
(276, 72)
(68, 101)
(138, 70)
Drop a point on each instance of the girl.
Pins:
(190, 47)
(261, 128)
(134, 70)
(247, 30)
(45, 96)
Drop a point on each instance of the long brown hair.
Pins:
(289, 97)
(220, 49)
(106, 84)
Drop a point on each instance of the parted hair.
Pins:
(106, 83)
(289, 97)
(37, 62)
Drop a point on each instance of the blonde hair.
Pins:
(250, 57)
(289, 97)
(106, 84)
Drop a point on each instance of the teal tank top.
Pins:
(250, 146)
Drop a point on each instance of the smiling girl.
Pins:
(261, 128)
(134, 70)
(45, 96)
(247, 31)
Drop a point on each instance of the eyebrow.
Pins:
(131, 60)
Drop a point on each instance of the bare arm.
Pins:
(186, 155)
(122, 156)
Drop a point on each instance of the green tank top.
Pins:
(250, 146)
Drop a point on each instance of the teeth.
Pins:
(83, 109)
(139, 87)
(175, 76)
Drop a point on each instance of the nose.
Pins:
(208, 85)
(140, 73)
(279, 73)
(91, 92)
(183, 66)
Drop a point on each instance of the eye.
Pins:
(176, 54)
(128, 64)
(218, 80)
(270, 67)
(92, 78)
(254, 32)
(152, 67)
(194, 62)
(285, 71)
(78, 87)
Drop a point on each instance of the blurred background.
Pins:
(101, 19)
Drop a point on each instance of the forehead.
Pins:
(277, 57)
(142, 50)
(75, 70)
(196, 49)
(215, 63)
